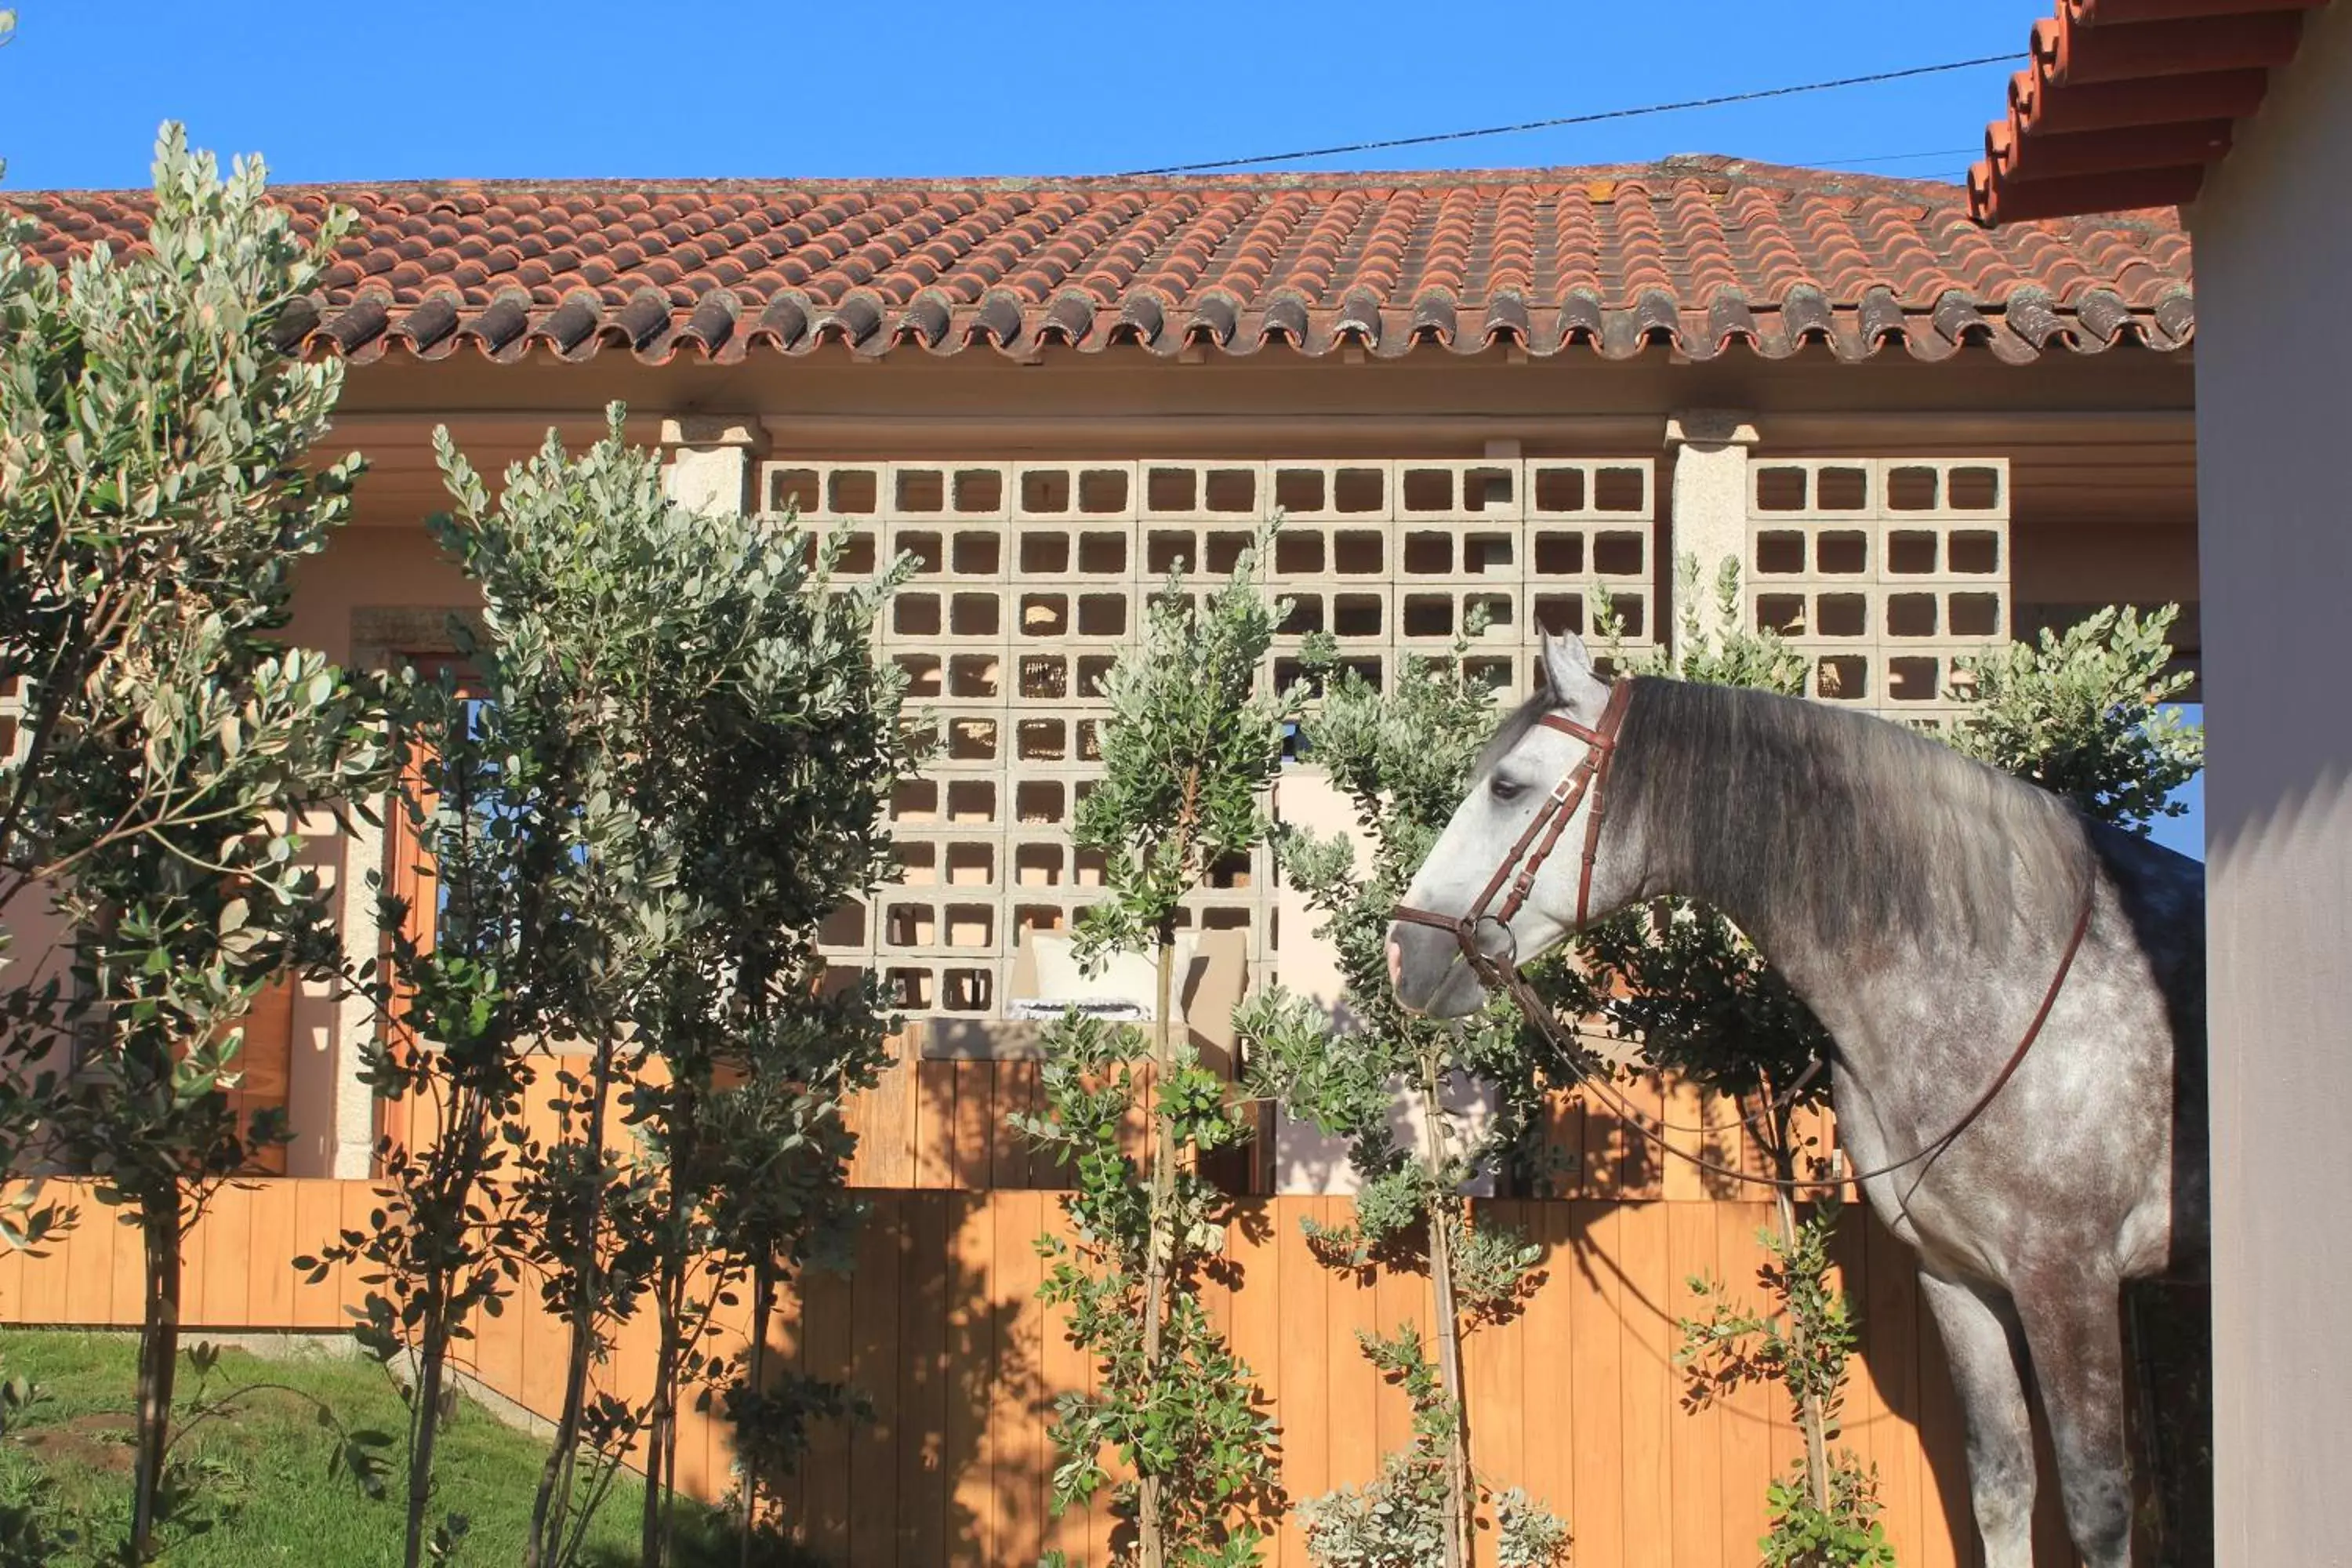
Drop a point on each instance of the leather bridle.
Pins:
(1589, 778)
(1500, 970)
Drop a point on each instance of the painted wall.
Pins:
(2274, 344)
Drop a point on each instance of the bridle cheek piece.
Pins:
(1589, 777)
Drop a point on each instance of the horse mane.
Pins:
(1838, 824)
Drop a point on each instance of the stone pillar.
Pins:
(713, 461)
(1710, 496)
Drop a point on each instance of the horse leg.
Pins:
(1983, 1359)
(2073, 1328)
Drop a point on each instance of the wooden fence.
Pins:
(1577, 1401)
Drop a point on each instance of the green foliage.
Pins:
(1192, 741)
(2084, 714)
(1402, 758)
(1803, 1345)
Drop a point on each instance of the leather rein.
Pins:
(1500, 969)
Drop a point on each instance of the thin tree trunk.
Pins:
(1151, 1546)
(661, 1434)
(1810, 1414)
(763, 1295)
(159, 1358)
(547, 1510)
(433, 1357)
(1447, 1312)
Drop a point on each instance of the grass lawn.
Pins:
(267, 1485)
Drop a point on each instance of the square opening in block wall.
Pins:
(1559, 554)
(1045, 555)
(1973, 489)
(858, 548)
(973, 675)
(1039, 800)
(972, 800)
(1488, 553)
(1428, 554)
(1289, 672)
(914, 800)
(919, 862)
(846, 927)
(972, 740)
(1037, 864)
(1046, 490)
(1488, 489)
(1912, 489)
(1045, 676)
(1911, 615)
(1841, 677)
(1617, 554)
(1841, 614)
(1169, 550)
(1780, 613)
(979, 555)
(1223, 550)
(1910, 551)
(1484, 613)
(971, 925)
(1086, 869)
(1974, 551)
(1170, 489)
(1233, 490)
(1298, 489)
(1041, 918)
(974, 615)
(1974, 614)
(1102, 614)
(967, 990)
(1619, 489)
(1632, 614)
(1842, 554)
(792, 489)
(1225, 917)
(1299, 552)
(1102, 491)
(919, 489)
(1842, 489)
(972, 865)
(909, 990)
(1559, 490)
(922, 673)
(1045, 614)
(1094, 676)
(915, 615)
(1560, 613)
(1780, 554)
(1233, 871)
(1357, 614)
(1306, 614)
(1360, 490)
(1912, 679)
(925, 548)
(1428, 489)
(979, 490)
(1042, 740)
(1488, 674)
(1102, 555)
(1781, 490)
(1426, 615)
(1356, 554)
(1089, 741)
(854, 491)
(909, 925)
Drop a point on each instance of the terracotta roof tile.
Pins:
(1701, 256)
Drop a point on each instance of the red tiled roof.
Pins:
(1700, 254)
(2128, 102)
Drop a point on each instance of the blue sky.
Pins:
(693, 89)
(495, 89)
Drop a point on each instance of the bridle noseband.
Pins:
(1589, 777)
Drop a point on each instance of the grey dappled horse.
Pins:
(1921, 903)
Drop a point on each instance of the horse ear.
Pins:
(1567, 663)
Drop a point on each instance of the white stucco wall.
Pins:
(2273, 235)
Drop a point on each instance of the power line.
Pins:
(1592, 118)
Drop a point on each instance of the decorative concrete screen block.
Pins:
(1029, 577)
(1883, 571)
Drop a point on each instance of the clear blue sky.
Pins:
(496, 89)
(690, 89)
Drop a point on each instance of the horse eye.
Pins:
(1502, 788)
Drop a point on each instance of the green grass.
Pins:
(267, 1484)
